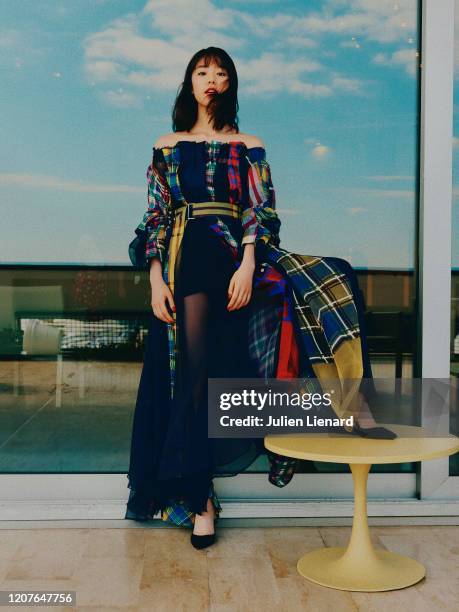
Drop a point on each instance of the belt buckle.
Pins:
(188, 215)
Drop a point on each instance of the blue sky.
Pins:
(329, 86)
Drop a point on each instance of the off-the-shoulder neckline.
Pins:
(237, 142)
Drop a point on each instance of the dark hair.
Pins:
(222, 108)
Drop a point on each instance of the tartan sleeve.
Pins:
(155, 219)
(259, 217)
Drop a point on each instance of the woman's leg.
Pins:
(195, 326)
(215, 345)
(195, 319)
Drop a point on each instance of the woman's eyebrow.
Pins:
(204, 66)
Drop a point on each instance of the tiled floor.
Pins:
(248, 569)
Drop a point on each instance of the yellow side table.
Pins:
(361, 567)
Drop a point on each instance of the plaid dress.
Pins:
(306, 310)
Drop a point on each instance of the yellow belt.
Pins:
(187, 212)
(200, 209)
(182, 214)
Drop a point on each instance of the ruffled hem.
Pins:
(176, 499)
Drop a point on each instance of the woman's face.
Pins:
(207, 81)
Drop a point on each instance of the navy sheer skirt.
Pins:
(172, 458)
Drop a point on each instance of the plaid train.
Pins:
(282, 469)
(327, 321)
(302, 306)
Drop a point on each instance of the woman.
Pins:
(226, 301)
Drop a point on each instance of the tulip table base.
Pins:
(359, 566)
(332, 567)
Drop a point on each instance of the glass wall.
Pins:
(334, 97)
(72, 343)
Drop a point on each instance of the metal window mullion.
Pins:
(434, 238)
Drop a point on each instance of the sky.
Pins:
(329, 86)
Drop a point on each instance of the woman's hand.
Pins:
(160, 296)
(160, 293)
(240, 287)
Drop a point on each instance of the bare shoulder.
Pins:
(251, 141)
(167, 140)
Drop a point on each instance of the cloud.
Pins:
(19, 50)
(321, 151)
(318, 150)
(407, 58)
(122, 99)
(103, 70)
(376, 193)
(42, 181)
(355, 22)
(382, 21)
(270, 73)
(301, 41)
(340, 83)
(356, 210)
(193, 21)
(148, 50)
(120, 54)
(390, 177)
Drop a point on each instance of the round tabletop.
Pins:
(412, 444)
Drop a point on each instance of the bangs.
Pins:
(208, 58)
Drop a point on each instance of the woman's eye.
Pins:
(220, 73)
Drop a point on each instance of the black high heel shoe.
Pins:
(203, 541)
(374, 433)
